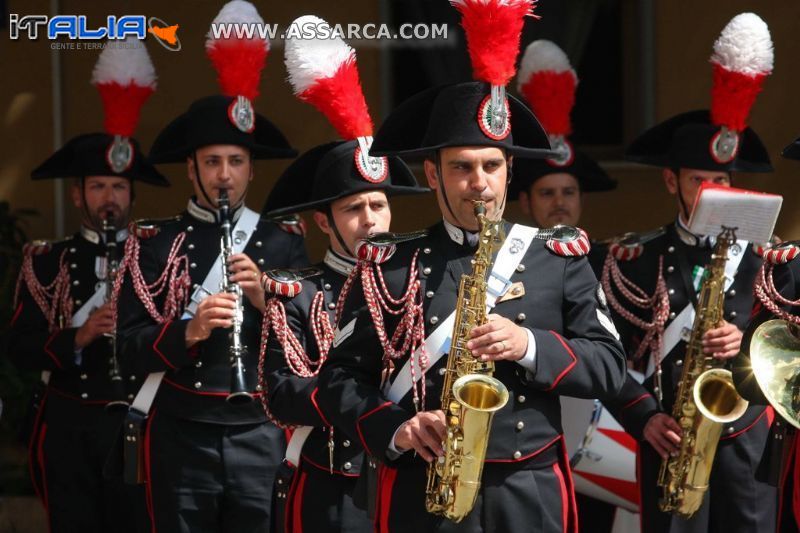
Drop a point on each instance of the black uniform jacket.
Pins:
(77, 378)
(293, 399)
(576, 354)
(781, 450)
(681, 251)
(198, 379)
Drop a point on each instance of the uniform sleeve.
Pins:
(293, 399)
(146, 345)
(743, 377)
(30, 345)
(587, 360)
(349, 384)
(632, 407)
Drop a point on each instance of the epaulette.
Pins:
(380, 247)
(782, 253)
(37, 247)
(293, 224)
(566, 241)
(630, 246)
(287, 282)
(761, 249)
(145, 228)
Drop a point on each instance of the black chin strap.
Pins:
(440, 181)
(200, 180)
(332, 224)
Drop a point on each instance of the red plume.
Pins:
(125, 78)
(493, 29)
(240, 55)
(342, 101)
(551, 96)
(743, 57)
(732, 96)
(238, 63)
(324, 73)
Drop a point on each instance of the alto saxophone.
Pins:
(470, 395)
(706, 398)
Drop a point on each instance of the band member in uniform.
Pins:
(64, 322)
(551, 191)
(193, 305)
(349, 193)
(548, 333)
(651, 282)
(777, 292)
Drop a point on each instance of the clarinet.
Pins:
(237, 350)
(118, 397)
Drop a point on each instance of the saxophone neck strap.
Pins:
(437, 344)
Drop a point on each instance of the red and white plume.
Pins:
(324, 73)
(237, 46)
(547, 81)
(742, 59)
(125, 78)
(493, 29)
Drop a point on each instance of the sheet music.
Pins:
(752, 213)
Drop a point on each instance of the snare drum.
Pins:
(602, 455)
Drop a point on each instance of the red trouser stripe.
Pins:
(297, 503)
(386, 479)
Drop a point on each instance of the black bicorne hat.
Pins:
(329, 172)
(792, 151)
(455, 115)
(87, 155)
(684, 141)
(591, 177)
(208, 121)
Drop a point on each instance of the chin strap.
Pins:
(332, 224)
(211, 202)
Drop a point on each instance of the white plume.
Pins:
(310, 59)
(745, 46)
(125, 62)
(540, 56)
(243, 22)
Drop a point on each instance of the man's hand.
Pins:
(723, 342)
(424, 433)
(498, 339)
(215, 311)
(245, 272)
(663, 433)
(100, 321)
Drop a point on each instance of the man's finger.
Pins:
(421, 449)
